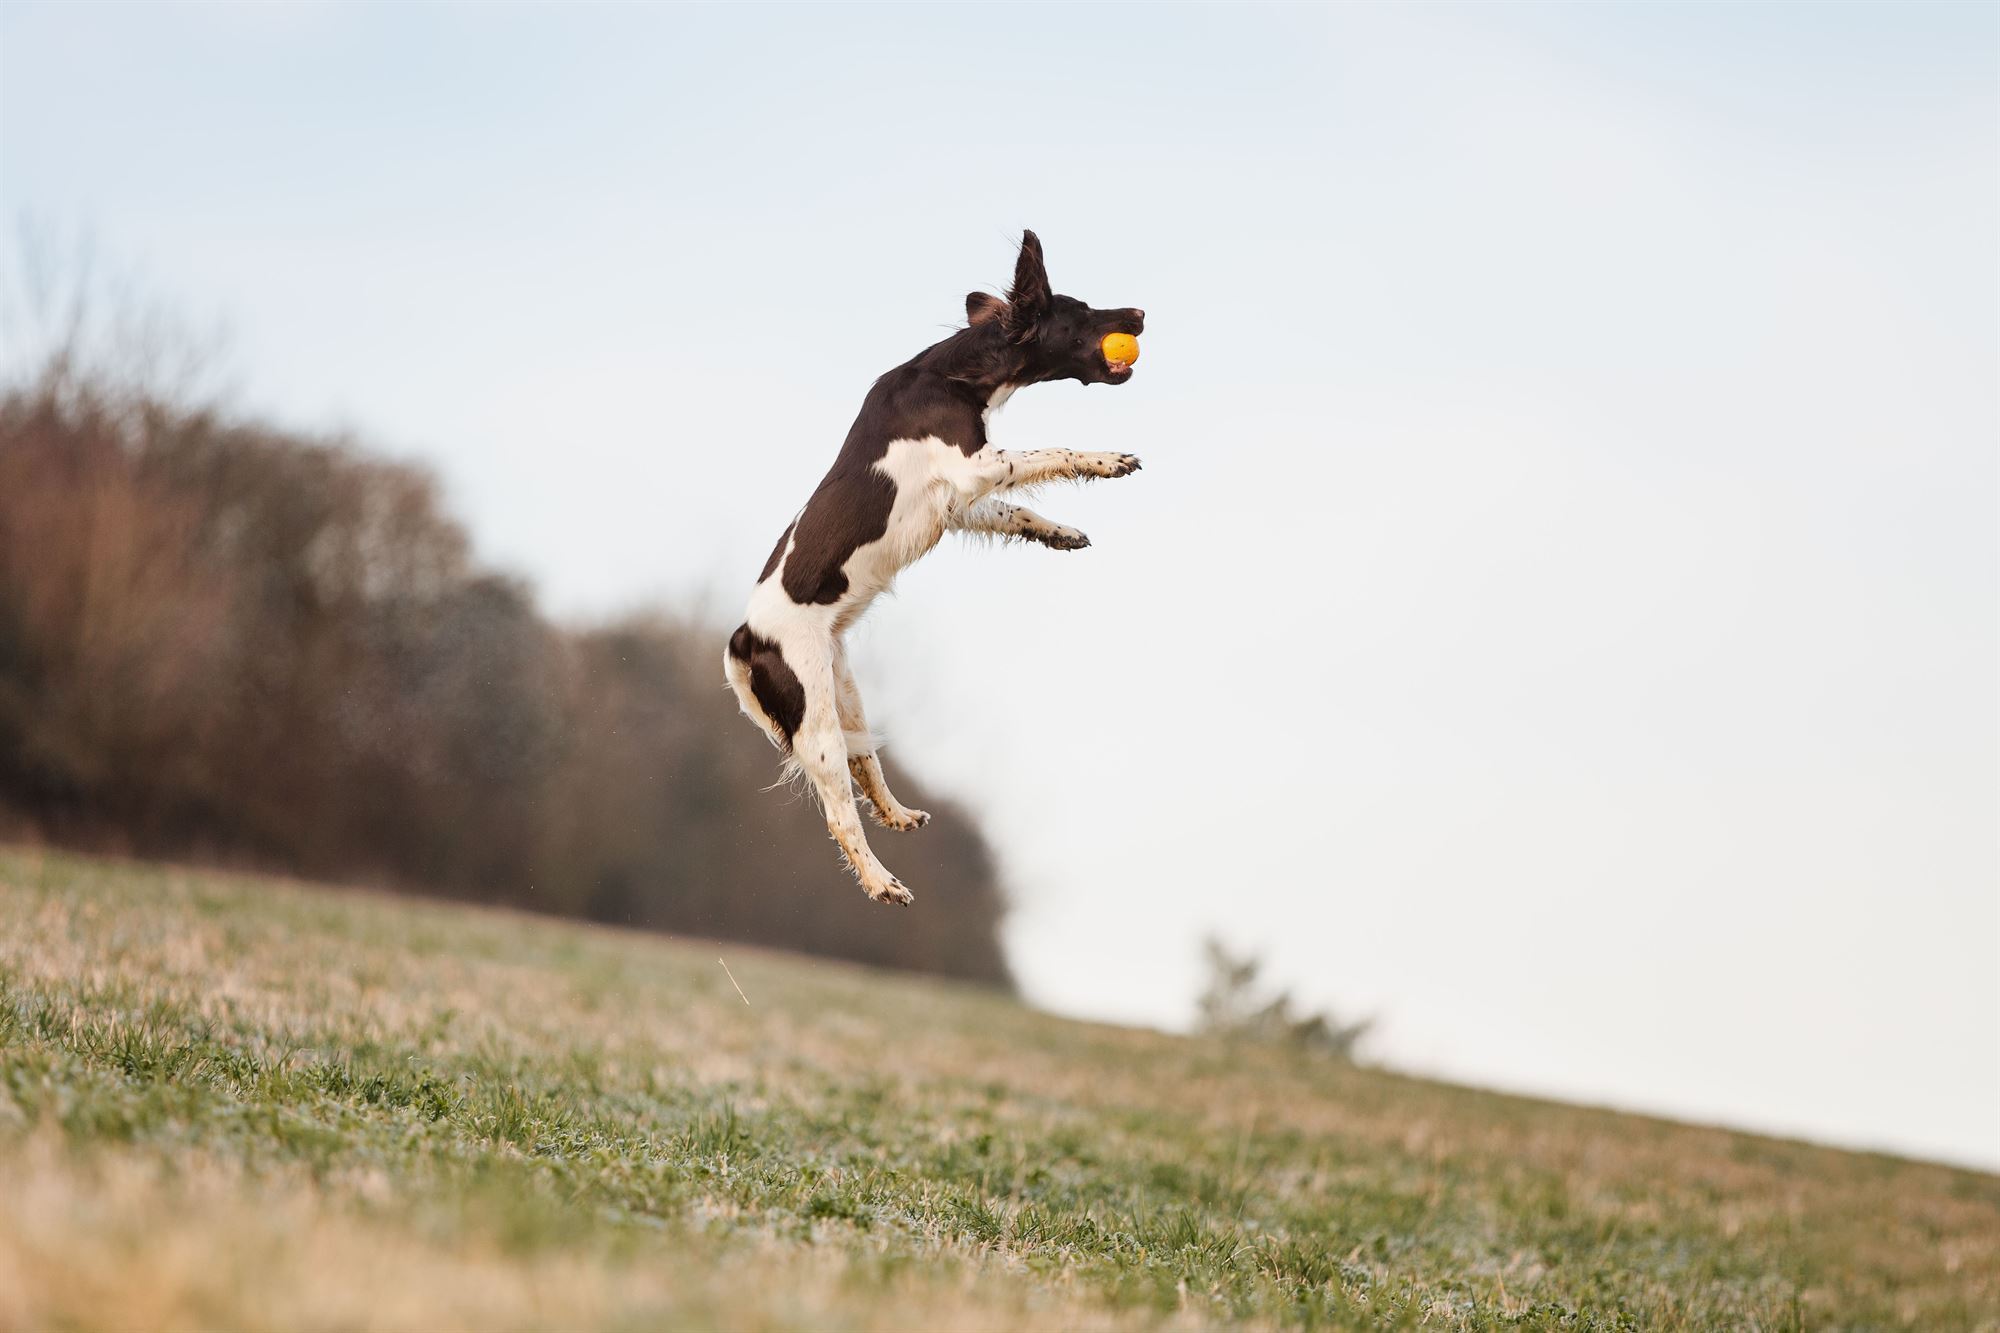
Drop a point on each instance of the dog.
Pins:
(916, 464)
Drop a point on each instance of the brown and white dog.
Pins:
(915, 466)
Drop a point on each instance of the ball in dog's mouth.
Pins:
(1120, 351)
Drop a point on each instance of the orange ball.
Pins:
(1121, 349)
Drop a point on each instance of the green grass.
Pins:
(238, 1102)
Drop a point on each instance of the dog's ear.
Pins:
(1028, 298)
(983, 307)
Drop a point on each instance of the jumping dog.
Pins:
(916, 464)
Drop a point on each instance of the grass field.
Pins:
(231, 1102)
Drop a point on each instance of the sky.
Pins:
(1560, 613)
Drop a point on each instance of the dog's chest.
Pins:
(934, 484)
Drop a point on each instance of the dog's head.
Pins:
(1058, 337)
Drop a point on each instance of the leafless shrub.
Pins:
(1234, 1006)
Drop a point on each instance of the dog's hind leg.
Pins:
(862, 760)
(820, 750)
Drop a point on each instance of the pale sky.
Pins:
(1560, 614)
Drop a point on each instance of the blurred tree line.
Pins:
(224, 641)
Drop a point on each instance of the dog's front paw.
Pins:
(1063, 539)
(1114, 465)
(892, 893)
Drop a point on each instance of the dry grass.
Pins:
(122, 1240)
(236, 1102)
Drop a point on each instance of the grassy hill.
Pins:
(244, 1103)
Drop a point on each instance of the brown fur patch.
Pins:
(772, 680)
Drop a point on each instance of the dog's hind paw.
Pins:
(893, 893)
(902, 820)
